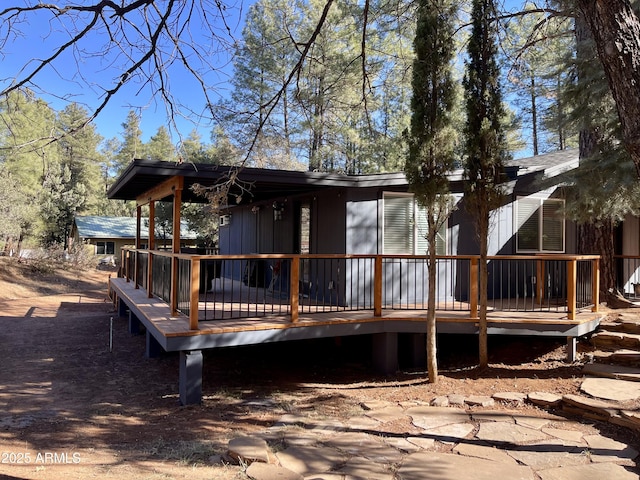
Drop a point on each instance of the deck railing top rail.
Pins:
(307, 283)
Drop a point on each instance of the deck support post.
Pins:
(191, 377)
(572, 343)
(122, 307)
(134, 324)
(385, 352)
(154, 349)
(418, 350)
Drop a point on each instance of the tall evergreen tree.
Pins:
(432, 138)
(485, 150)
(78, 146)
(160, 148)
(131, 145)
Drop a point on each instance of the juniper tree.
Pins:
(485, 146)
(431, 138)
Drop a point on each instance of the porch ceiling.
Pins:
(262, 184)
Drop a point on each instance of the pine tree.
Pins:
(485, 151)
(78, 149)
(131, 146)
(432, 138)
(160, 147)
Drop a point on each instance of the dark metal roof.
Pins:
(142, 175)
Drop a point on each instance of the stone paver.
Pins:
(309, 460)
(442, 466)
(433, 417)
(508, 433)
(549, 454)
(603, 449)
(602, 471)
(508, 444)
(264, 471)
(611, 389)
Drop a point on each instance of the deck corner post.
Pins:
(377, 287)
(191, 377)
(572, 275)
(385, 352)
(294, 287)
(595, 285)
(194, 300)
(473, 288)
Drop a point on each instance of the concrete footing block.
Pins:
(191, 363)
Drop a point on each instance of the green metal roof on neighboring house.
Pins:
(119, 227)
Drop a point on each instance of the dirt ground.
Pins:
(78, 399)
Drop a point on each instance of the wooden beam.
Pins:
(177, 205)
(377, 286)
(138, 227)
(294, 287)
(152, 226)
(161, 191)
(194, 299)
(150, 275)
(540, 281)
(473, 287)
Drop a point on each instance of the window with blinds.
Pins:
(540, 225)
(405, 227)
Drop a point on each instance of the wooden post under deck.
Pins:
(195, 294)
(572, 275)
(473, 288)
(377, 287)
(294, 287)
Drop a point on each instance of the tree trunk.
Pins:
(616, 30)
(600, 240)
(432, 358)
(483, 274)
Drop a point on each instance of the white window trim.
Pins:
(541, 201)
(414, 224)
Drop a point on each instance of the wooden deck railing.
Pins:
(211, 287)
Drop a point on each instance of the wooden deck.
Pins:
(174, 333)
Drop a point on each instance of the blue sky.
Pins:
(82, 75)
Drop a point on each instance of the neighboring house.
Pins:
(108, 235)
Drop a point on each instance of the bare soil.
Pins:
(71, 407)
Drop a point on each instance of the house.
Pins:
(312, 254)
(108, 235)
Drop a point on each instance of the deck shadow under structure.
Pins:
(173, 333)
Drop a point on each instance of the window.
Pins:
(105, 248)
(539, 225)
(405, 227)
